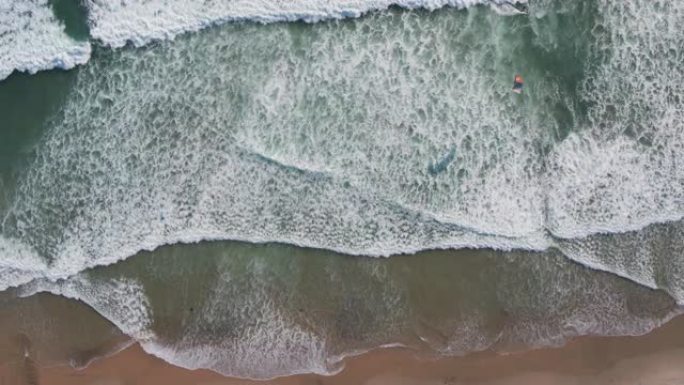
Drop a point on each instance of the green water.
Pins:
(443, 88)
(551, 49)
(326, 135)
(220, 299)
(27, 102)
(234, 298)
(73, 14)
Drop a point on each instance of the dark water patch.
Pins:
(26, 104)
(73, 14)
(441, 165)
(558, 43)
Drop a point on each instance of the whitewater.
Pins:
(33, 39)
(279, 173)
(391, 133)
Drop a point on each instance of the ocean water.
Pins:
(33, 39)
(260, 311)
(295, 142)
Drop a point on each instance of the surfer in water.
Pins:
(518, 84)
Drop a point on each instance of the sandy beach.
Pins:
(653, 359)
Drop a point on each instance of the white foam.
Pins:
(165, 161)
(625, 170)
(122, 301)
(652, 257)
(615, 185)
(246, 324)
(19, 263)
(141, 21)
(327, 139)
(260, 339)
(277, 347)
(32, 39)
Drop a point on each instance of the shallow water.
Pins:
(261, 311)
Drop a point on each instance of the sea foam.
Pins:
(32, 39)
(246, 312)
(625, 170)
(139, 21)
(122, 301)
(354, 138)
(330, 138)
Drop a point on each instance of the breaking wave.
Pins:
(262, 311)
(33, 39)
(140, 22)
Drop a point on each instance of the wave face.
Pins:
(32, 39)
(392, 133)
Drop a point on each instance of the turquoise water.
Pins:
(291, 155)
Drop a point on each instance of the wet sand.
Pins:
(653, 359)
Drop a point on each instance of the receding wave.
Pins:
(260, 311)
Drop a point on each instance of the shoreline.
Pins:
(654, 358)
